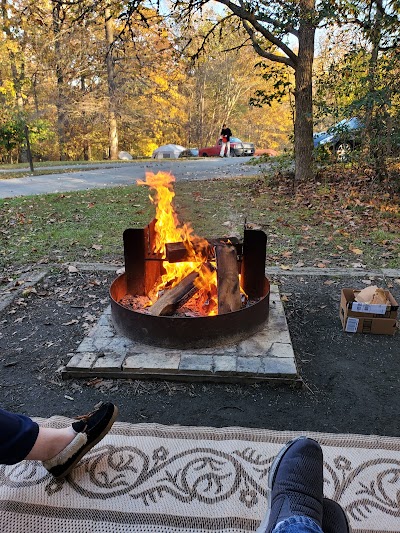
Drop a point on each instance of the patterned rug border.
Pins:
(354, 440)
(155, 478)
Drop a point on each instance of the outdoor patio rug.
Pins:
(154, 478)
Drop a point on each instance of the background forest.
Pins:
(88, 79)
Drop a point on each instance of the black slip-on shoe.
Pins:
(334, 518)
(295, 484)
(90, 429)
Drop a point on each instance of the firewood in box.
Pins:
(177, 296)
(227, 279)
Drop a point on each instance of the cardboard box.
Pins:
(366, 318)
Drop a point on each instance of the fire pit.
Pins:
(211, 291)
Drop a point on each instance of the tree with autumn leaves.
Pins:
(94, 77)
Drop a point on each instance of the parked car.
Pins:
(238, 148)
(342, 138)
(346, 136)
(189, 152)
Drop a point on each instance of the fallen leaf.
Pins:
(321, 265)
(70, 323)
(328, 282)
(356, 251)
(285, 267)
(29, 290)
(366, 281)
(97, 246)
(72, 269)
(299, 264)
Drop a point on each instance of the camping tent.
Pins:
(168, 151)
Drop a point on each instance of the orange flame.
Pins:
(168, 230)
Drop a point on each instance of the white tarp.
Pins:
(124, 156)
(168, 151)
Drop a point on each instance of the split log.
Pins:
(176, 252)
(174, 298)
(227, 279)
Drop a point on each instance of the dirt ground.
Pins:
(351, 382)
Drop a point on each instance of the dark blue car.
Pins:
(342, 138)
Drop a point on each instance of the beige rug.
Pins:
(152, 478)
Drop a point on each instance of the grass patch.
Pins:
(314, 227)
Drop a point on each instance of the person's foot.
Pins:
(334, 519)
(295, 484)
(90, 429)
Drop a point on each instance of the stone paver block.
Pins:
(272, 334)
(217, 350)
(203, 363)
(102, 343)
(152, 351)
(282, 350)
(150, 362)
(250, 348)
(224, 364)
(109, 362)
(249, 365)
(119, 345)
(82, 362)
(279, 367)
(102, 332)
(87, 345)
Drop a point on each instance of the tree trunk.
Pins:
(60, 104)
(18, 75)
(375, 112)
(303, 127)
(112, 116)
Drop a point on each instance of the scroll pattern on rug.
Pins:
(148, 478)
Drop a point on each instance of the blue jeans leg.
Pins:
(297, 524)
(18, 434)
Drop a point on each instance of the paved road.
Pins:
(125, 174)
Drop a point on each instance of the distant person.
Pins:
(296, 501)
(59, 449)
(226, 135)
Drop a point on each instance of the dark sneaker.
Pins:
(334, 518)
(295, 484)
(90, 429)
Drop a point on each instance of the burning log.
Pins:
(228, 287)
(177, 296)
(176, 252)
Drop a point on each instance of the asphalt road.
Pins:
(109, 175)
